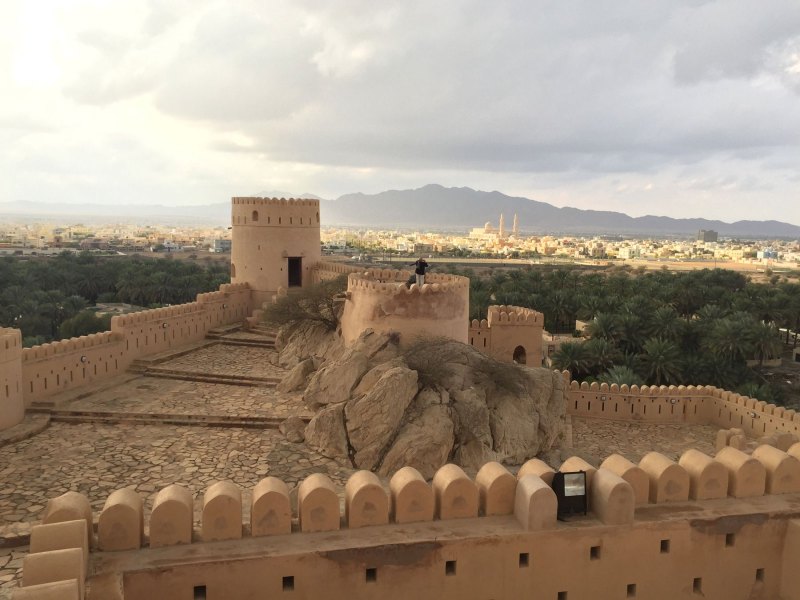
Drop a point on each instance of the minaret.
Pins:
(502, 232)
(515, 230)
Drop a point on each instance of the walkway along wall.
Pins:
(68, 364)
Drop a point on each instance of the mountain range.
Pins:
(429, 207)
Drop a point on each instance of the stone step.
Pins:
(251, 343)
(213, 378)
(74, 416)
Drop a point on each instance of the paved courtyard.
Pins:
(178, 397)
(601, 438)
(222, 359)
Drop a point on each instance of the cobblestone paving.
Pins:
(220, 359)
(96, 459)
(10, 569)
(600, 438)
(172, 396)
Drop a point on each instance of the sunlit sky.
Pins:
(671, 107)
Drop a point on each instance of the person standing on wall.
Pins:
(420, 267)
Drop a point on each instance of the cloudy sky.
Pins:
(673, 107)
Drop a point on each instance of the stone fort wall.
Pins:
(12, 407)
(701, 405)
(45, 370)
(722, 527)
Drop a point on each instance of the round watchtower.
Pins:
(275, 244)
(378, 299)
(12, 407)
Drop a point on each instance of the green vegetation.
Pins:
(316, 302)
(47, 298)
(659, 328)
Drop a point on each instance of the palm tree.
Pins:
(601, 354)
(620, 375)
(726, 339)
(605, 326)
(661, 361)
(665, 323)
(766, 342)
(572, 357)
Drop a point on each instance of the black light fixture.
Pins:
(570, 490)
(84, 359)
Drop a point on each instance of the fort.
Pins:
(664, 525)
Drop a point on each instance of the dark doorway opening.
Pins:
(519, 355)
(295, 271)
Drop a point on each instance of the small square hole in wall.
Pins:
(594, 553)
(371, 574)
(562, 595)
(664, 546)
(450, 567)
(697, 585)
(524, 560)
(199, 592)
(631, 590)
(288, 583)
(759, 574)
(730, 539)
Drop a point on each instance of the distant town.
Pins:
(501, 240)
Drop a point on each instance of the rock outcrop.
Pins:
(381, 408)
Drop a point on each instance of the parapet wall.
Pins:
(704, 405)
(378, 299)
(67, 364)
(12, 408)
(496, 536)
(511, 333)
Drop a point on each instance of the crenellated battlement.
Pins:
(392, 281)
(514, 315)
(379, 299)
(278, 202)
(510, 333)
(10, 343)
(412, 533)
(707, 405)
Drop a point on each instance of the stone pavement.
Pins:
(179, 397)
(222, 359)
(599, 438)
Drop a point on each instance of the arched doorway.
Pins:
(520, 356)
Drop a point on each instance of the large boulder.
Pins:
(326, 433)
(424, 443)
(334, 382)
(309, 339)
(445, 401)
(296, 379)
(293, 429)
(373, 419)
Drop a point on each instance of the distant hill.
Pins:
(439, 207)
(432, 206)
